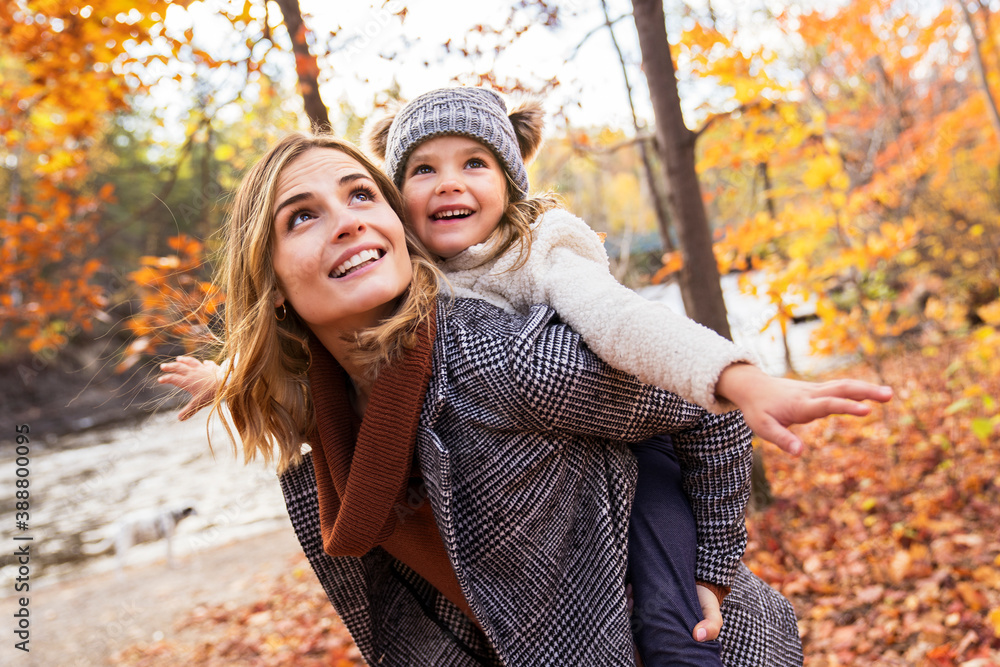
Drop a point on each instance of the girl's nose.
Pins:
(450, 183)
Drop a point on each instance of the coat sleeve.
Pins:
(569, 267)
(546, 379)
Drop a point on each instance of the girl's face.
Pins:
(340, 253)
(455, 193)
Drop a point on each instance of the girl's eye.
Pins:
(477, 163)
(421, 169)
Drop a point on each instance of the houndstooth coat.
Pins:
(521, 445)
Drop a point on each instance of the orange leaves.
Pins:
(47, 270)
(62, 79)
(872, 185)
(885, 531)
(293, 624)
(176, 305)
(672, 263)
(994, 621)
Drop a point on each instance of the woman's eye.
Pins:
(298, 217)
(363, 194)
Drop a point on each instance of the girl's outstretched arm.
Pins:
(770, 405)
(201, 379)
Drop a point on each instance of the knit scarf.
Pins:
(360, 484)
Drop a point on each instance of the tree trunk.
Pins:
(306, 66)
(209, 187)
(977, 58)
(700, 286)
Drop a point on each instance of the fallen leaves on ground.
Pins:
(885, 536)
(886, 533)
(293, 624)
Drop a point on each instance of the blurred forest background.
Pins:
(849, 167)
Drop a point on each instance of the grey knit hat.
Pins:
(473, 112)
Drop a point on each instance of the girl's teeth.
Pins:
(452, 214)
(361, 258)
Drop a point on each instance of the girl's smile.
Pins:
(455, 193)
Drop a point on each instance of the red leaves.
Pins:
(887, 536)
(293, 625)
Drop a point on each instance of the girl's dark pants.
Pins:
(662, 545)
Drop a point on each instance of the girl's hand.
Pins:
(708, 629)
(201, 379)
(770, 405)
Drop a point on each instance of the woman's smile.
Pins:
(358, 262)
(340, 252)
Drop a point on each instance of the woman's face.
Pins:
(340, 254)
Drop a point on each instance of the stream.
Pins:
(83, 482)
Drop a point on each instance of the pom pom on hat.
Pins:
(375, 135)
(528, 120)
(477, 113)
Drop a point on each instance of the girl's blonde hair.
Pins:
(266, 388)
(514, 229)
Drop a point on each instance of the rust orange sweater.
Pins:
(368, 485)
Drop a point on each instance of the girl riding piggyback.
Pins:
(459, 159)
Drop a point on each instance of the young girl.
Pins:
(459, 160)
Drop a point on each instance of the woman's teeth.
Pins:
(355, 262)
(459, 213)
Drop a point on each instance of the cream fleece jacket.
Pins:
(568, 269)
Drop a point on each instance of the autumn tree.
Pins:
(865, 188)
(64, 68)
(699, 275)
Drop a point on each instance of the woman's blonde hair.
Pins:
(266, 388)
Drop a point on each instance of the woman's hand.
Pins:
(770, 405)
(201, 379)
(708, 629)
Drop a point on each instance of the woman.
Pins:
(466, 498)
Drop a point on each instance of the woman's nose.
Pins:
(347, 226)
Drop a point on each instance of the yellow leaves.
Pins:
(826, 171)
(990, 313)
(994, 620)
(225, 152)
(949, 315)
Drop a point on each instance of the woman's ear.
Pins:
(528, 119)
(375, 135)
